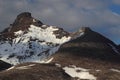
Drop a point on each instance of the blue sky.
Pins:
(101, 15)
(115, 8)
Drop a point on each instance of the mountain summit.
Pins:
(22, 22)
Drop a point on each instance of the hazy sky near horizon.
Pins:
(102, 16)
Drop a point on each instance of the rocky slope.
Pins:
(88, 43)
(119, 47)
(34, 71)
(29, 40)
(91, 51)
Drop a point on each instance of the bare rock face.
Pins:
(22, 22)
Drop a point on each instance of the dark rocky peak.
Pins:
(84, 29)
(24, 14)
(26, 19)
(23, 18)
(88, 35)
(22, 22)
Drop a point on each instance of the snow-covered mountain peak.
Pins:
(29, 40)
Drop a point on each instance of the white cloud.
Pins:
(64, 13)
(116, 1)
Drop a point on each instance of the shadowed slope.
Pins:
(4, 65)
(92, 51)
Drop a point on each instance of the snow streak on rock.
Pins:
(114, 48)
(115, 70)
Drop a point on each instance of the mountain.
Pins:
(29, 40)
(42, 52)
(88, 44)
(90, 50)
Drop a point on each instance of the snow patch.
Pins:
(32, 65)
(25, 67)
(20, 32)
(115, 70)
(77, 34)
(77, 72)
(46, 60)
(97, 70)
(34, 20)
(10, 68)
(21, 67)
(114, 48)
(45, 34)
(44, 26)
(80, 34)
(57, 65)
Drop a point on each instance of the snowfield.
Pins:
(78, 72)
(33, 45)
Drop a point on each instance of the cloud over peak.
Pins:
(65, 13)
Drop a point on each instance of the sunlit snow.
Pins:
(80, 73)
(34, 45)
(25, 67)
(115, 70)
